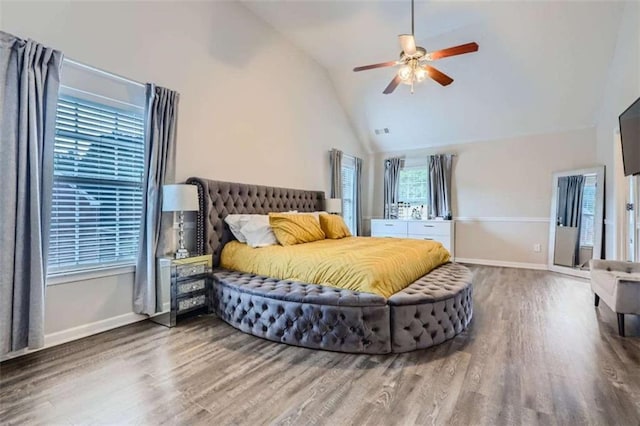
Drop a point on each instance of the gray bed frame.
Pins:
(431, 310)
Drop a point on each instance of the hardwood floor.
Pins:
(537, 352)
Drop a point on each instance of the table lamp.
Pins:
(333, 205)
(180, 198)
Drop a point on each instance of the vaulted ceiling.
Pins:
(541, 66)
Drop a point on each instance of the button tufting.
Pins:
(314, 323)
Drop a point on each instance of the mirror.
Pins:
(577, 209)
(165, 315)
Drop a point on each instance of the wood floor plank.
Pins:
(536, 352)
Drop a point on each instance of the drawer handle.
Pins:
(388, 224)
(428, 226)
(428, 239)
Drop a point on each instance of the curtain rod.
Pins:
(344, 154)
(404, 156)
(107, 73)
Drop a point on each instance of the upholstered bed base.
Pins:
(431, 310)
(303, 315)
(323, 317)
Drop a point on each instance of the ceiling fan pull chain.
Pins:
(413, 61)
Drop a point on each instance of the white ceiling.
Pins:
(541, 66)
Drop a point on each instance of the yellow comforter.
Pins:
(375, 265)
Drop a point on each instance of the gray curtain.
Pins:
(440, 170)
(29, 83)
(335, 163)
(160, 154)
(392, 167)
(358, 200)
(570, 194)
(570, 191)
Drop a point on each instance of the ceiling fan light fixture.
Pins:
(413, 61)
(405, 73)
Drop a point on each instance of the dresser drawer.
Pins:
(191, 286)
(444, 240)
(429, 228)
(388, 227)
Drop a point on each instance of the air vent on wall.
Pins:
(384, 131)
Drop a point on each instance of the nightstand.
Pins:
(182, 287)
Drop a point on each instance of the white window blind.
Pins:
(97, 189)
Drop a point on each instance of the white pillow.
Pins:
(236, 222)
(259, 237)
(258, 232)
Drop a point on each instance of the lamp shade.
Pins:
(333, 205)
(181, 197)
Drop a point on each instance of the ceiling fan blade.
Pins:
(453, 51)
(373, 66)
(392, 86)
(408, 43)
(438, 76)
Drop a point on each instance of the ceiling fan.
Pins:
(414, 60)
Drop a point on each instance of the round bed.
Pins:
(433, 309)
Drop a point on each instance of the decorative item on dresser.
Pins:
(442, 231)
(180, 198)
(183, 287)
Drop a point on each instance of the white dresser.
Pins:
(442, 231)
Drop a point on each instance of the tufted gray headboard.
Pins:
(218, 199)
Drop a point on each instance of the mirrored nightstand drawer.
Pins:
(183, 271)
(191, 302)
(190, 287)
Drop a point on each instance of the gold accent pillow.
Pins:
(293, 229)
(333, 226)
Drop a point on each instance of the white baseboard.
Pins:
(81, 331)
(502, 219)
(90, 329)
(504, 264)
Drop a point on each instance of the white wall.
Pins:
(253, 108)
(622, 88)
(502, 189)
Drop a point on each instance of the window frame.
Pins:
(415, 165)
(79, 271)
(594, 186)
(349, 163)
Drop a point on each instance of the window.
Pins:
(349, 193)
(97, 184)
(588, 211)
(413, 186)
